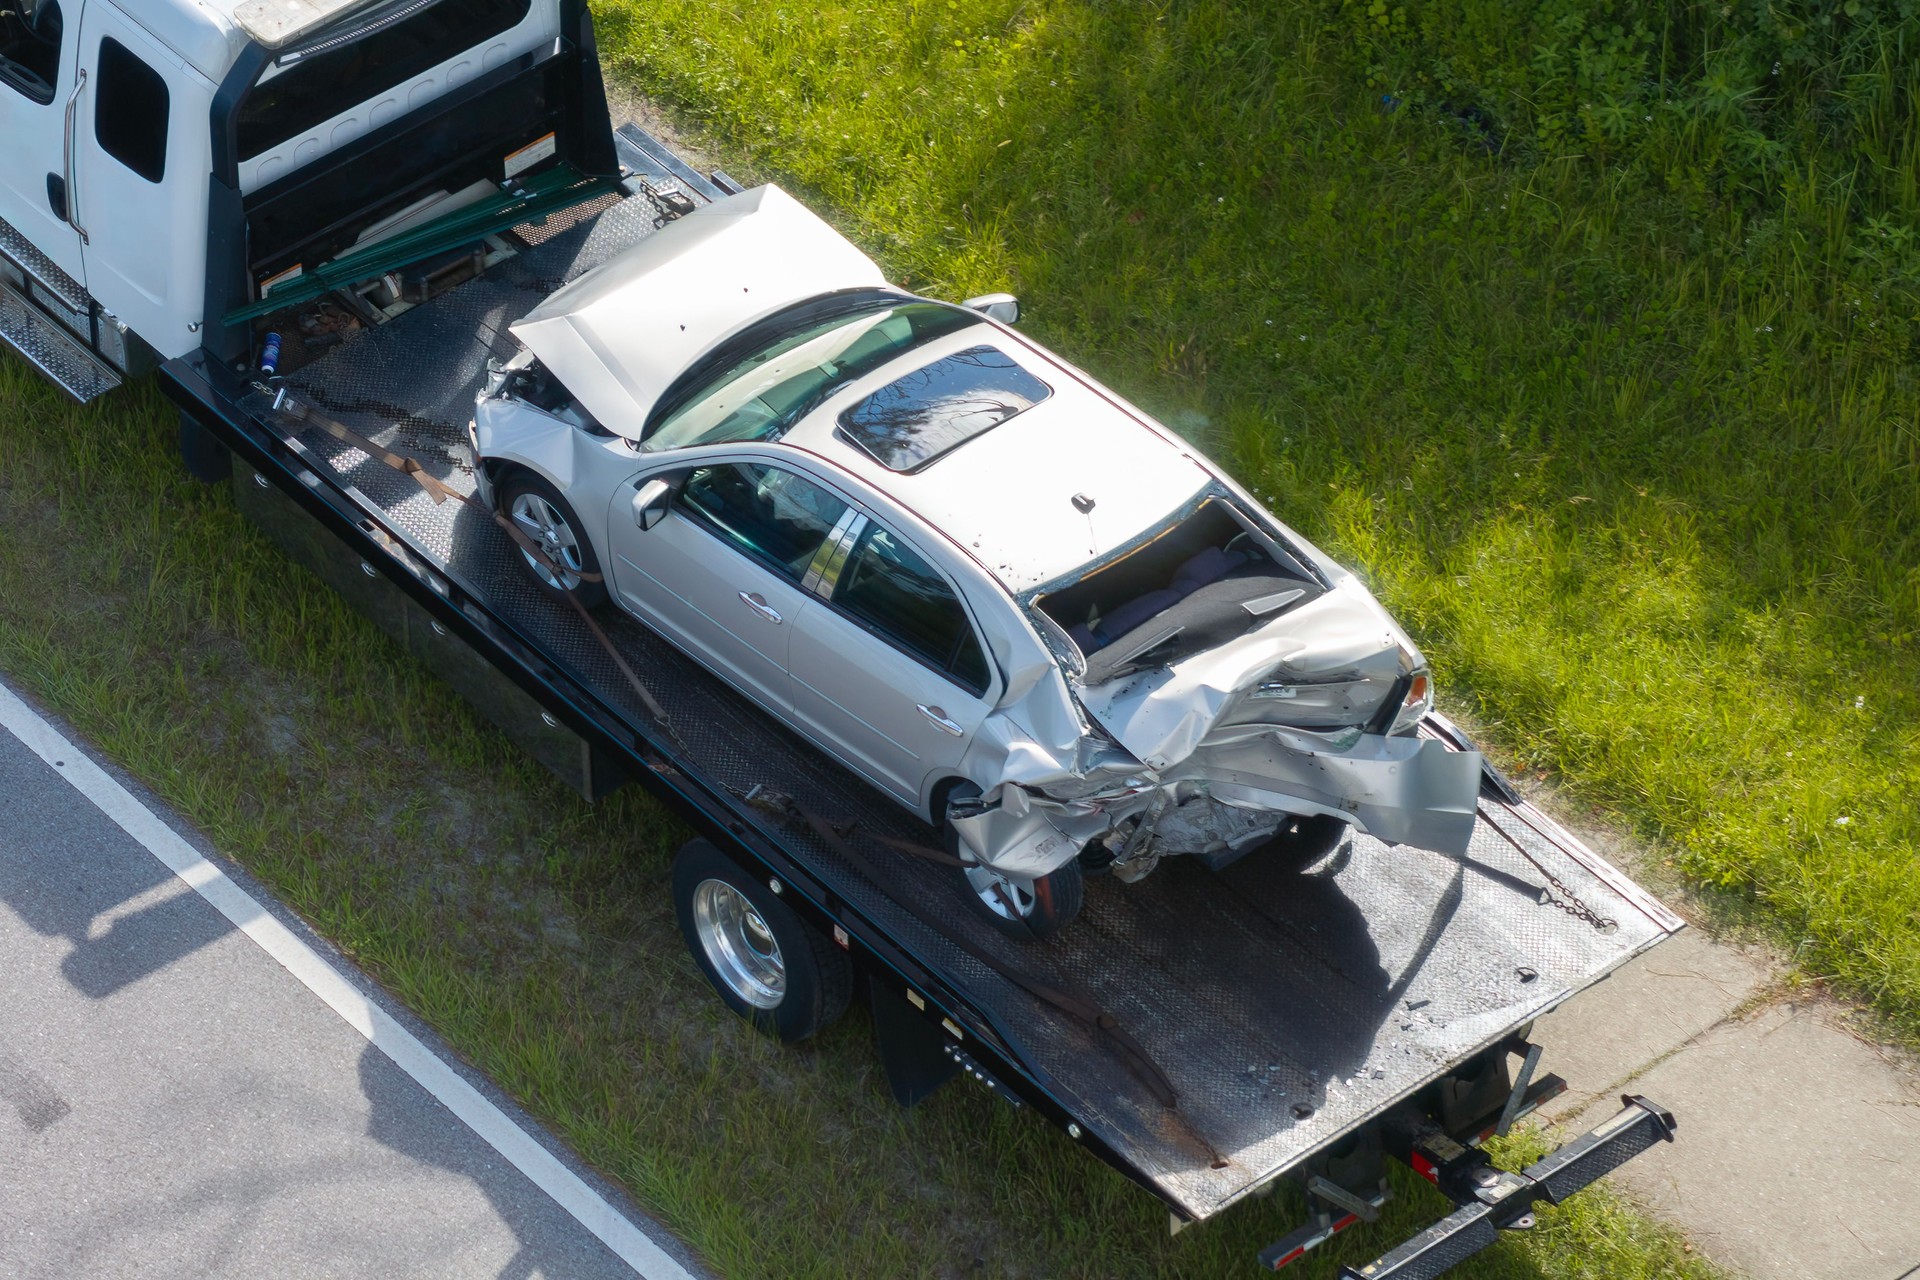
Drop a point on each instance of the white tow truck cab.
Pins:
(167, 167)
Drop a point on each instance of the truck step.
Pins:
(48, 347)
(41, 269)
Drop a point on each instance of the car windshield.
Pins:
(761, 395)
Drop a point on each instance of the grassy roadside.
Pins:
(1636, 454)
(533, 931)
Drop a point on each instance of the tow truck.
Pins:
(313, 221)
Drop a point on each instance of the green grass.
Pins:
(1634, 450)
(1636, 463)
(534, 931)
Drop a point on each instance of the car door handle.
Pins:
(939, 718)
(758, 603)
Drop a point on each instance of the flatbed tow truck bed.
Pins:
(1296, 1016)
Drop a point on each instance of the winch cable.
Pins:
(1104, 1026)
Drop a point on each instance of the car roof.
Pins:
(1008, 496)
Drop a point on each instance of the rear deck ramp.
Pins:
(1285, 1008)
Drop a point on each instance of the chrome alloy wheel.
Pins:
(739, 944)
(1006, 896)
(541, 521)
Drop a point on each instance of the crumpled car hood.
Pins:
(619, 335)
(1163, 715)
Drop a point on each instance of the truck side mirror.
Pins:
(1003, 307)
(650, 502)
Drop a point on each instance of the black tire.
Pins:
(204, 457)
(523, 484)
(1304, 841)
(817, 975)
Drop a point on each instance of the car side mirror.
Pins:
(650, 502)
(1003, 307)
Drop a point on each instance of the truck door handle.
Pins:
(758, 603)
(72, 190)
(940, 720)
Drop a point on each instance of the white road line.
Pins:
(494, 1126)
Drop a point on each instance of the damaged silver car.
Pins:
(976, 577)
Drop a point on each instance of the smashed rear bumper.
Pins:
(1401, 790)
(1235, 790)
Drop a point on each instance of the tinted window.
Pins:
(130, 111)
(30, 47)
(890, 588)
(314, 82)
(775, 516)
(913, 420)
(759, 393)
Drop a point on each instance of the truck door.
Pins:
(141, 151)
(38, 46)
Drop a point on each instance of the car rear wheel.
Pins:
(1023, 908)
(765, 962)
(1017, 906)
(566, 564)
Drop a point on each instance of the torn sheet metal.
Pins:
(1311, 713)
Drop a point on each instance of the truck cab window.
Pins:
(30, 47)
(130, 111)
(311, 83)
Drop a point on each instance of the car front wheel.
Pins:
(565, 564)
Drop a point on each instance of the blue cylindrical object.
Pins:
(270, 355)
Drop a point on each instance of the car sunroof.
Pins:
(915, 419)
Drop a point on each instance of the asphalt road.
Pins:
(174, 1101)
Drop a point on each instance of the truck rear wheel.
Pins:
(766, 963)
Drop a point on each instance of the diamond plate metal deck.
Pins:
(1285, 1008)
(51, 349)
(45, 270)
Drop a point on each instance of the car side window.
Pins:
(894, 592)
(30, 47)
(774, 516)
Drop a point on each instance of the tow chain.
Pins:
(1562, 898)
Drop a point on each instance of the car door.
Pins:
(720, 575)
(892, 673)
(37, 43)
(141, 148)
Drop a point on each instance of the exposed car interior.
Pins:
(1200, 582)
